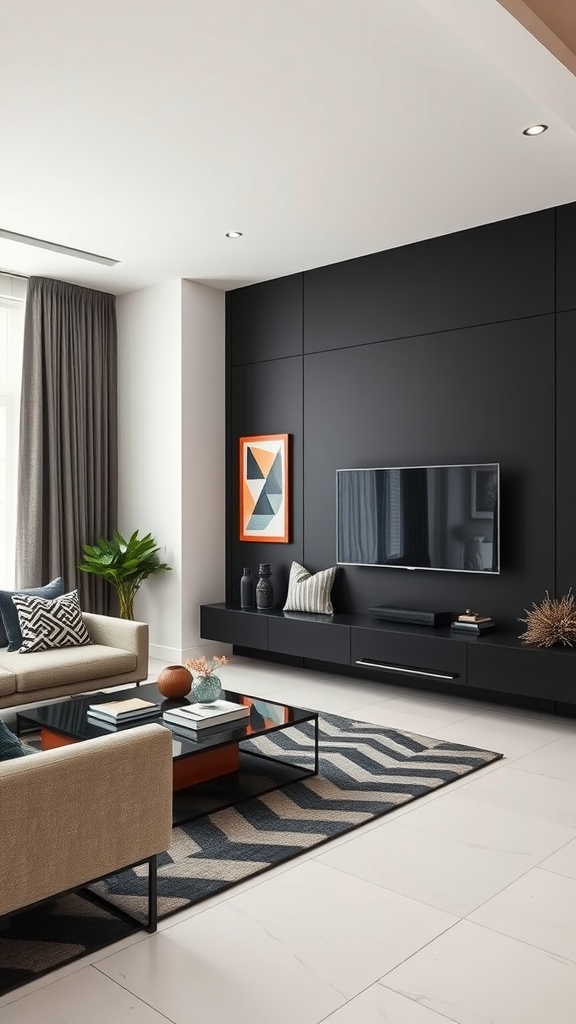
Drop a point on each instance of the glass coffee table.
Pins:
(212, 768)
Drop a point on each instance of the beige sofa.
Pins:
(118, 655)
(81, 812)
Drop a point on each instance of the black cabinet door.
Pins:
(400, 655)
(234, 626)
(317, 638)
(547, 674)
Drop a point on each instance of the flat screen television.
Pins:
(420, 517)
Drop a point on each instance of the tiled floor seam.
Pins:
(560, 957)
(169, 1020)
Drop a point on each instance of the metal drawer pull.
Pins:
(366, 663)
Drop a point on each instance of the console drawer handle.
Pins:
(366, 663)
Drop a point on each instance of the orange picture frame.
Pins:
(264, 488)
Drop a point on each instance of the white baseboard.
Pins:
(173, 656)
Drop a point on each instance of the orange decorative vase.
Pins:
(174, 681)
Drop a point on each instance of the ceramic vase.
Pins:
(264, 590)
(206, 689)
(247, 588)
(174, 681)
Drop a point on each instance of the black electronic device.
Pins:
(420, 517)
(416, 617)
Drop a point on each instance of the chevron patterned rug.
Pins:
(41, 939)
(366, 771)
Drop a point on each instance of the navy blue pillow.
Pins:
(9, 624)
(10, 745)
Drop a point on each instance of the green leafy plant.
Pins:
(123, 563)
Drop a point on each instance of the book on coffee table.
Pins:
(124, 710)
(201, 716)
(121, 725)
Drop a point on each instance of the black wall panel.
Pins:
(447, 351)
(485, 394)
(265, 320)
(496, 272)
(566, 256)
(265, 398)
(566, 452)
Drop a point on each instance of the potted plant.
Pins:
(123, 563)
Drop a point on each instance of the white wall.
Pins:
(203, 454)
(171, 434)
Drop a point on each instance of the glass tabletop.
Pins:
(69, 718)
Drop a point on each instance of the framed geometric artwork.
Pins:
(264, 488)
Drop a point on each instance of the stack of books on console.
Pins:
(472, 623)
(206, 716)
(122, 712)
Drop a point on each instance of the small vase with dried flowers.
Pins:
(206, 686)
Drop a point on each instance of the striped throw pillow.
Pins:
(45, 624)
(310, 592)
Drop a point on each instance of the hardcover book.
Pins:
(474, 619)
(118, 710)
(472, 627)
(213, 710)
(196, 716)
(120, 725)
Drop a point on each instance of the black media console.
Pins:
(496, 663)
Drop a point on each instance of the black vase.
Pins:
(264, 591)
(247, 589)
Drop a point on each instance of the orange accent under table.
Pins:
(202, 767)
(188, 771)
(49, 739)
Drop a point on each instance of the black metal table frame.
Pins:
(299, 772)
(303, 772)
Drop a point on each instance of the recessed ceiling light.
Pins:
(66, 250)
(233, 234)
(535, 129)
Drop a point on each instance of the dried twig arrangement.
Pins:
(551, 622)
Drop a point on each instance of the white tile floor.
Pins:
(459, 907)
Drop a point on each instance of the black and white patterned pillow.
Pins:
(45, 624)
(310, 592)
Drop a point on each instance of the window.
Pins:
(12, 298)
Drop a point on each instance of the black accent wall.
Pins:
(459, 349)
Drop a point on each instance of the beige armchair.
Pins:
(75, 814)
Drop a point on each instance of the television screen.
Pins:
(420, 517)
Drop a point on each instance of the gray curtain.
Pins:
(68, 459)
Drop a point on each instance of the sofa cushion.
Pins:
(45, 669)
(46, 624)
(10, 744)
(7, 680)
(10, 634)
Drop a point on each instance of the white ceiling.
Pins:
(321, 129)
